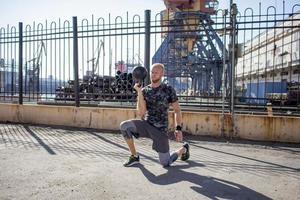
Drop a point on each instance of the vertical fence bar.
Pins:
(20, 63)
(109, 45)
(225, 13)
(147, 44)
(233, 61)
(75, 61)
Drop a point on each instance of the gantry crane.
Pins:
(95, 60)
(191, 47)
(32, 70)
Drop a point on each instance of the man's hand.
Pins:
(141, 103)
(137, 87)
(178, 135)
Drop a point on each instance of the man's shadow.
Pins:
(211, 187)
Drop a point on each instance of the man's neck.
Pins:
(155, 85)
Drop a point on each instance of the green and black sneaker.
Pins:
(185, 156)
(132, 161)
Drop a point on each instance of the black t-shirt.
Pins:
(157, 104)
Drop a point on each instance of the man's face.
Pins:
(156, 74)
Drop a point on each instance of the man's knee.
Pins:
(124, 125)
(164, 159)
(165, 163)
(126, 128)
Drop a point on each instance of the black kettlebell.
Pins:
(139, 73)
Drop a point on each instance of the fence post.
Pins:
(75, 62)
(20, 63)
(233, 62)
(225, 57)
(147, 44)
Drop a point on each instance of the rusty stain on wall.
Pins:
(254, 127)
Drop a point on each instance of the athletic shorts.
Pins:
(141, 128)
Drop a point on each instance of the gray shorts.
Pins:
(141, 128)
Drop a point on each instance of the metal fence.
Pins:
(230, 62)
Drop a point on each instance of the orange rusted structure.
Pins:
(190, 22)
(204, 6)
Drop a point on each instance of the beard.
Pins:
(155, 80)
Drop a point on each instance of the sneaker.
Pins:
(185, 156)
(131, 161)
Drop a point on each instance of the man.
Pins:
(152, 106)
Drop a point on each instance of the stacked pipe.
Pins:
(103, 85)
(124, 85)
(107, 87)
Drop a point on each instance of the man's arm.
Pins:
(141, 103)
(178, 120)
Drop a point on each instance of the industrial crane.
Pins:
(191, 47)
(32, 67)
(95, 60)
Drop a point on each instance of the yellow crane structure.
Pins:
(191, 47)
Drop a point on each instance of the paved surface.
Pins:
(41, 162)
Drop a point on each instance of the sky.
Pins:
(27, 11)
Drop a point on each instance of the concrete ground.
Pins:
(42, 162)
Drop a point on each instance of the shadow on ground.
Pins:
(211, 187)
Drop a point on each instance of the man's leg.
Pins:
(181, 151)
(131, 146)
(128, 129)
(166, 159)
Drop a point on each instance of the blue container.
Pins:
(257, 92)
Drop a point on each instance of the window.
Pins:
(296, 71)
(211, 4)
(284, 73)
(273, 74)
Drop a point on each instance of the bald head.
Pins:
(159, 66)
(157, 72)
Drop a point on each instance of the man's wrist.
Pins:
(178, 128)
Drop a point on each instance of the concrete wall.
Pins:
(254, 127)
